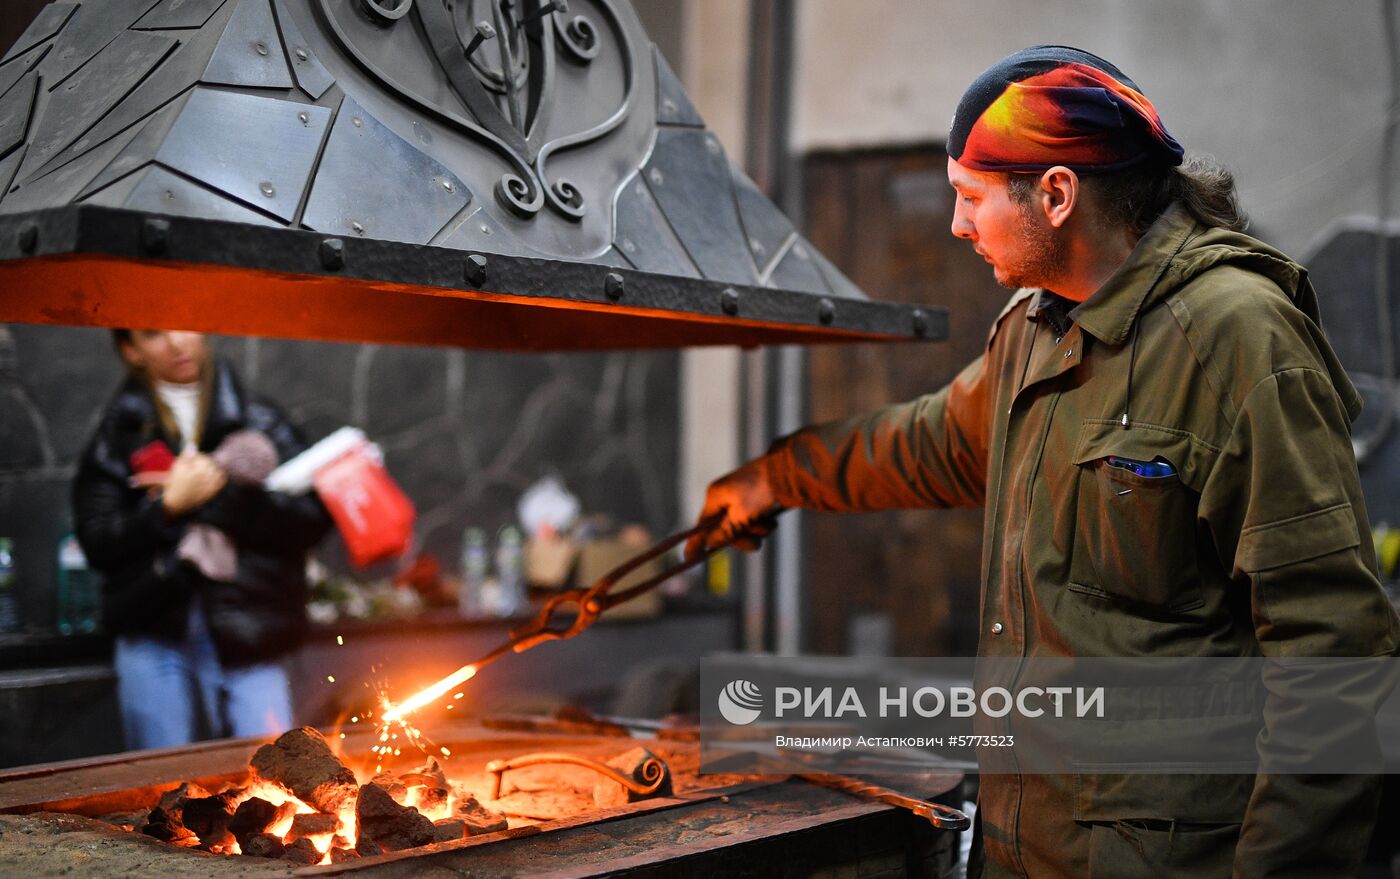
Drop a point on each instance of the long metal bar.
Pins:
(940, 816)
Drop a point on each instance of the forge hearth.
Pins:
(705, 825)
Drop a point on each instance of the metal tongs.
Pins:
(592, 602)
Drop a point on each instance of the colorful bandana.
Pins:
(1054, 105)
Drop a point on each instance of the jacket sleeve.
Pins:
(117, 526)
(126, 537)
(930, 452)
(1284, 505)
(283, 524)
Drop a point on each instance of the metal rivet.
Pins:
(332, 253)
(474, 269)
(261, 47)
(1068, 353)
(357, 227)
(655, 176)
(305, 118)
(155, 234)
(29, 238)
(729, 301)
(756, 246)
(997, 628)
(300, 53)
(447, 184)
(266, 189)
(920, 322)
(612, 286)
(668, 105)
(485, 229)
(628, 246)
(356, 121)
(826, 311)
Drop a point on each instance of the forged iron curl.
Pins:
(652, 770)
(580, 39)
(557, 191)
(520, 193)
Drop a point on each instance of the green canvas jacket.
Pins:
(1205, 349)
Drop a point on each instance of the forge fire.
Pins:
(303, 803)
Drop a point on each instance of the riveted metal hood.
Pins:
(512, 174)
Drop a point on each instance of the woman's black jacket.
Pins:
(127, 538)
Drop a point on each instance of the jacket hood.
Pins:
(1214, 246)
(1176, 250)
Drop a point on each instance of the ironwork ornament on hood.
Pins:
(499, 61)
(533, 166)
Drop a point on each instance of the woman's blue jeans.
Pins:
(164, 687)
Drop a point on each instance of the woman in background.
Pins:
(204, 585)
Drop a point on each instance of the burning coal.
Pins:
(304, 804)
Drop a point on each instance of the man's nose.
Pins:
(962, 227)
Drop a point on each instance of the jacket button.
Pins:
(997, 628)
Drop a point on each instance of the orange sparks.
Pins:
(423, 697)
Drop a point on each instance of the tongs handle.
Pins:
(596, 599)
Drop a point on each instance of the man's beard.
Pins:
(1043, 258)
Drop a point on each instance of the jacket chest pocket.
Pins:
(1135, 520)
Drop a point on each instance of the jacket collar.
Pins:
(1108, 315)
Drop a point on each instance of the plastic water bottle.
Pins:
(9, 602)
(79, 597)
(476, 563)
(510, 571)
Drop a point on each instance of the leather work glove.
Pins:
(745, 498)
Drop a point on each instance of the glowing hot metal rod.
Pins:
(590, 603)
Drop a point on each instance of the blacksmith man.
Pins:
(1160, 435)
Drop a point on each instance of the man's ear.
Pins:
(1059, 193)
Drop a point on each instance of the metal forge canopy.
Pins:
(511, 174)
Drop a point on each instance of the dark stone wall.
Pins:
(464, 432)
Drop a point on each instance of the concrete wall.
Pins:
(1290, 94)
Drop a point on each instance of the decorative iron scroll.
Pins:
(499, 52)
